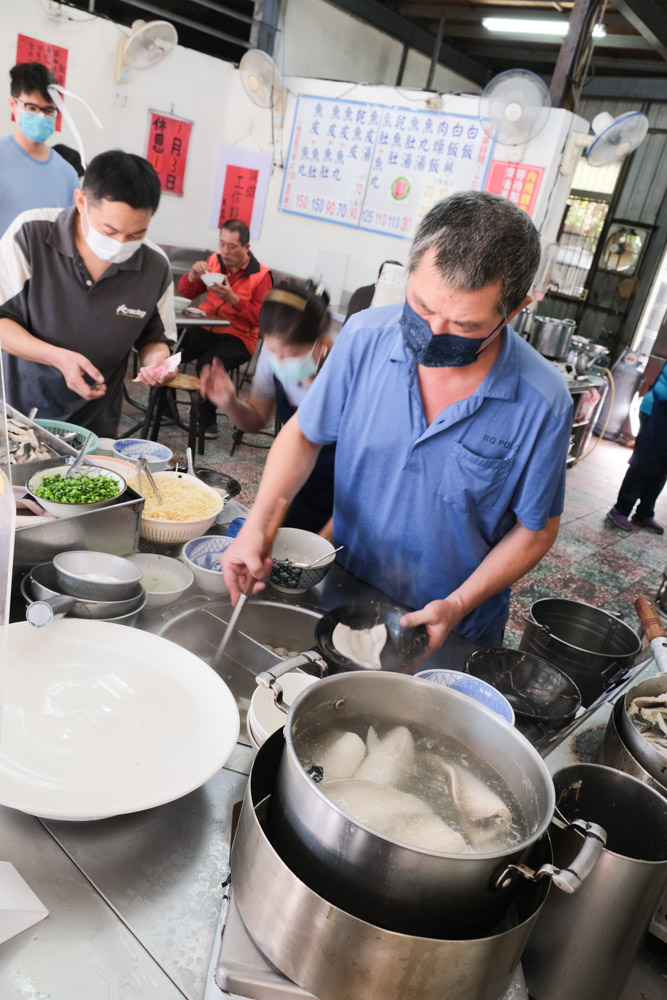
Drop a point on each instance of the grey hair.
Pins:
(480, 239)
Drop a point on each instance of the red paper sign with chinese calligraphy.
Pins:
(168, 142)
(516, 181)
(52, 56)
(238, 194)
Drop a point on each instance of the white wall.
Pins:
(210, 92)
(186, 83)
(319, 40)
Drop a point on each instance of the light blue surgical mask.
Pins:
(37, 128)
(293, 369)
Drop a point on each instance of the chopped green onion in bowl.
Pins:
(77, 489)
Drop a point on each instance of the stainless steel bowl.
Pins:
(96, 576)
(41, 585)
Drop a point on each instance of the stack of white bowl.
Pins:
(264, 716)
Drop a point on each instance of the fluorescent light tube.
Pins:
(524, 26)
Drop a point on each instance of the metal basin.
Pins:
(592, 646)
(41, 585)
(96, 576)
(647, 755)
(614, 752)
(200, 629)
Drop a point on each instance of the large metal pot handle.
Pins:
(529, 620)
(269, 678)
(567, 879)
(41, 613)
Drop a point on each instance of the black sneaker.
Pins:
(211, 432)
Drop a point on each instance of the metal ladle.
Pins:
(143, 464)
(310, 565)
(78, 461)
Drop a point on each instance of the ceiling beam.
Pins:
(377, 15)
(434, 11)
(188, 22)
(572, 63)
(649, 19)
(644, 88)
(535, 57)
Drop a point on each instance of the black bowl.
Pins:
(404, 645)
(216, 480)
(219, 481)
(535, 689)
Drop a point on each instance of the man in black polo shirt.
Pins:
(79, 288)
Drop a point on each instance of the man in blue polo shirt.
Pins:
(31, 174)
(451, 432)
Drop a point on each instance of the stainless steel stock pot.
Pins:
(382, 880)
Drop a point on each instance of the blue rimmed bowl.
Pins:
(157, 455)
(474, 688)
(202, 556)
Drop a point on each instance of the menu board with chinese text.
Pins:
(379, 168)
(168, 141)
(329, 159)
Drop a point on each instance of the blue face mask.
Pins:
(442, 350)
(37, 128)
(293, 369)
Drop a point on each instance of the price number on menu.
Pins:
(326, 207)
(386, 221)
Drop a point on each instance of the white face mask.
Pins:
(105, 247)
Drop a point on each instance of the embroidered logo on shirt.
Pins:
(134, 313)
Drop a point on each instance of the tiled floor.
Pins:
(591, 561)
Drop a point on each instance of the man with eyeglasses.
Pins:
(451, 434)
(31, 174)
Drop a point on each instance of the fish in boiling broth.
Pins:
(482, 813)
(394, 814)
(417, 786)
(361, 645)
(342, 757)
(390, 759)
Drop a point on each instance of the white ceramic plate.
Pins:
(100, 719)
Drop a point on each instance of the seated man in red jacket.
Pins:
(237, 297)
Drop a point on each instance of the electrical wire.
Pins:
(599, 437)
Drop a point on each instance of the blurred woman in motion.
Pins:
(294, 323)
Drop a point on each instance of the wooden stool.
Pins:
(162, 399)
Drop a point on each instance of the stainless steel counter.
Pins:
(134, 900)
